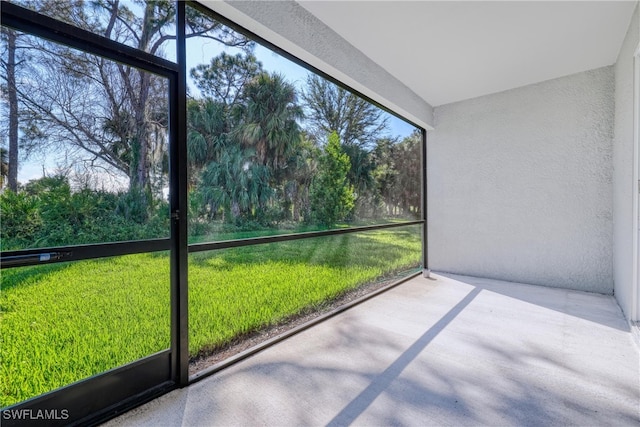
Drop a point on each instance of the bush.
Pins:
(21, 221)
(331, 194)
(47, 213)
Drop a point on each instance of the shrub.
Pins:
(47, 213)
(332, 197)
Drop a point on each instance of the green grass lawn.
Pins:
(64, 322)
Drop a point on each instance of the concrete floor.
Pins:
(452, 351)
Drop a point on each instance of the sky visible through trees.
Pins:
(199, 51)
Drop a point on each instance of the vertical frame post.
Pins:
(635, 197)
(425, 232)
(178, 196)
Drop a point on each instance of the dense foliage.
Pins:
(47, 213)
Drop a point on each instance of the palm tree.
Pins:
(296, 180)
(207, 133)
(268, 119)
(235, 183)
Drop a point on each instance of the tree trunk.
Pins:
(13, 110)
(295, 200)
(141, 153)
(235, 209)
(139, 170)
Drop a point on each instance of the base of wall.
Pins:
(635, 332)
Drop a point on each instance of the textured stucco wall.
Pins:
(520, 184)
(623, 180)
(292, 28)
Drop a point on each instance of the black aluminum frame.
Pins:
(25, 257)
(127, 386)
(179, 194)
(425, 232)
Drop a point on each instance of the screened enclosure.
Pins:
(175, 186)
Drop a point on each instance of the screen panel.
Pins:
(86, 148)
(69, 321)
(237, 293)
(275, 148)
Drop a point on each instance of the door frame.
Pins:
(128, 385)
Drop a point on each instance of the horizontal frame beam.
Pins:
(27, 257)
(98, 397)
(34, 23)
(22, 258)
(225, 244)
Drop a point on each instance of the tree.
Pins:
(358, 124)
(361, 177)
(207, 137)
(120, 124)
(210, 119)
(267, 119)
(267, 122)
(244, 107)
(224, 79)
(331, 108)
(408, 178)
(398, 174)
(331, 194)
(385, 173)
(10, 67)
(12, 64)
(235, 184)
(95, 121)
(301, 168)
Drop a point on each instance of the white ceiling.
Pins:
(450, 51)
